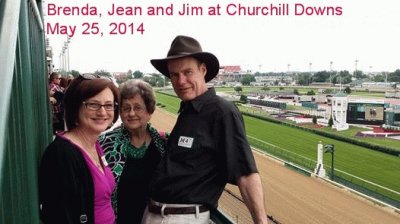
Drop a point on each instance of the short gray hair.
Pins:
(133, 87)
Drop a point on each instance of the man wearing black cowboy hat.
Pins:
(207, 147)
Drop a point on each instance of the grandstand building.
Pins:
(377, 85)
(230, 73)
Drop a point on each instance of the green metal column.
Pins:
(28, 124)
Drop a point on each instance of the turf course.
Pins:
(380, 168)
(171, 103)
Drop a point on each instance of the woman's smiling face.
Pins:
(97, 121)
(134, 114)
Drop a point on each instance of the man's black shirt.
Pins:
(206, 149)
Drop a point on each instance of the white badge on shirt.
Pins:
(103, 159)
(186, 142)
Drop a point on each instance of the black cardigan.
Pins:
(66, 190)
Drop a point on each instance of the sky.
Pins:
(357, 34)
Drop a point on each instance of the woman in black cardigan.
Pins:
(75, 183)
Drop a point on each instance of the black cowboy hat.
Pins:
(183, 46)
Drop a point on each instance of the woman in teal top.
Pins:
(133, 151)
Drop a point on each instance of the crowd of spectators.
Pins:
(57, 87)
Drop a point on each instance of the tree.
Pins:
(160, 82)
(359, 74)
(328, 91)
(304, 79)
(310, 93)
(130, 74)
(295, 91)
(330, 122)
(247, 79)
(154, 79)
(238, 89)
(102, 73)
(378, 78)
(314, 119)
(347, 90)
(394, 76)
(243, 98)
(322, 76)
(137, 74)
(343, 77)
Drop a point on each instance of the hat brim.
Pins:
(209, 59)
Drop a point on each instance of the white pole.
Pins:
(319, 169)
(68, 42)
(330, 74)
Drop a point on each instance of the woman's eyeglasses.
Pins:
(136, 109)
(97, 106)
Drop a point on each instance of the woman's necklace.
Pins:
(137, 152)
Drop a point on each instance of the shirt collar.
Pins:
(198, 102)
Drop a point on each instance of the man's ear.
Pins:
(203, 69)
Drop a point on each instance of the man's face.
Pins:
(187, 77)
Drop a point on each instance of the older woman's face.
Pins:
(134, 114)
(96, 113)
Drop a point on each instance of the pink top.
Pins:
(104, 185)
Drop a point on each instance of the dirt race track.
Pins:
(291, 197)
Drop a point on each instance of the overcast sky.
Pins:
(367, 31)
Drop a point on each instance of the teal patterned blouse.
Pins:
(117, 148)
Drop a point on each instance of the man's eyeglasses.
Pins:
(97, 106)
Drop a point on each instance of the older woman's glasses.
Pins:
(97, 106)
(128, 109)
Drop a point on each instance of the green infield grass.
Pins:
(370, 165)
(171, 104)
(350, 133)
